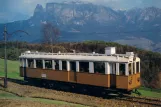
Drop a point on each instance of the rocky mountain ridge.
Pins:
(85, 21)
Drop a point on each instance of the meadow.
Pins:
(12, 68)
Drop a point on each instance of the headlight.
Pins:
(138, 79)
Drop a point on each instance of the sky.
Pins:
(27, 6)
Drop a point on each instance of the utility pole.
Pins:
(5, 51)
(5, 56)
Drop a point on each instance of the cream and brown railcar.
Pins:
(109, 70)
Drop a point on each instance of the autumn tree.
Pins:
(50, 34)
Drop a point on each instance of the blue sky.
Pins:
(27, 6)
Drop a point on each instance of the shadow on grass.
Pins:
(2, 79)
(1, 85)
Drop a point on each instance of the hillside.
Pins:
(150, 61)
(13, 69)
(79, 21)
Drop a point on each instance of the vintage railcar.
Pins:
(109, 70)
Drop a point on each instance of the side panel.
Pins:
(47, 74)
(122, 82)
(82, 78)
(93, 79)
(57, 75)
(33, 73)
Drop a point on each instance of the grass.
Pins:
(6, 95)
(12, 68)
(55, 102)
(149, 93)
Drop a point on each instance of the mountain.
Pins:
(79, 21)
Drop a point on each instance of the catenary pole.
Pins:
(5, 51)
(5, 56)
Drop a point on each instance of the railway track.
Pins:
(106, 97)
(141, 100)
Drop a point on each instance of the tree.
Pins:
(50, 34)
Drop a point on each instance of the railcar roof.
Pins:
(79, 56)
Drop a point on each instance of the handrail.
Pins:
(80, 54)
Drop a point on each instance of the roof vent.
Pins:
(27, 51)
(74, 51)
(110, 50)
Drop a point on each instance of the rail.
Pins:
(142, 100)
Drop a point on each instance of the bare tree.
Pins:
(50, 34)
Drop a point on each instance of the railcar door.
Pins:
(113, 75)
(23, 67)
(73, 73)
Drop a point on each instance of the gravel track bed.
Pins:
(36, 92)
(20, 103)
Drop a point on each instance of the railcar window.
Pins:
(133, 68)
(84, 66)
(56, 64)
(39, 64)
(73, 66)
(130, 70)
(48, 64)
(99, 67)
(30, 63)
(64, 65)
(137, 67)
(122, 69)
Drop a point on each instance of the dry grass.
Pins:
(35, 92)
(10, 100)
(20, 103)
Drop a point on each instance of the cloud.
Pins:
(127, 4)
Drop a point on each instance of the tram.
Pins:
(109, 70)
